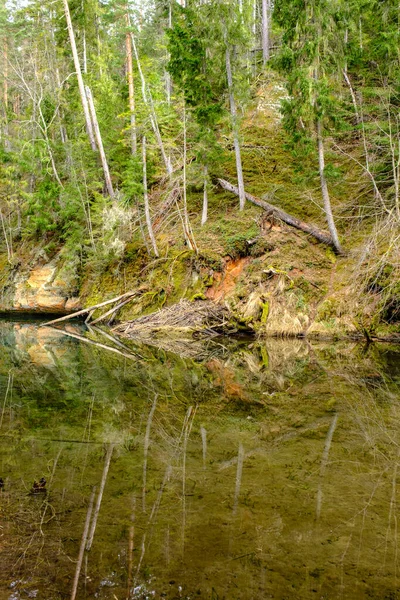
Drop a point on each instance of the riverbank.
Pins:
(274, 279)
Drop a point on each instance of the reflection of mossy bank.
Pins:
(266, 469)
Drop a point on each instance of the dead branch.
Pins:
(90, 308)
(113, 311)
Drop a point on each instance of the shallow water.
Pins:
(254, 471)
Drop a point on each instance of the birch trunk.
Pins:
(147, 99)
(265, 30)
(99, 140)
(236, 143)
(168, 80)
(146, 200)
(85, 106)
(353, 96)
(131, 89)
(325, 191)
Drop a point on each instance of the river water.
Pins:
(219, 470)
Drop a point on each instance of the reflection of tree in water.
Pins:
(266, 469)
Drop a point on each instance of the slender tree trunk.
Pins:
(5, 94)
(324, 190)
(205, 198)
(99, 140)
(5, 97)
(8, 244)
(85, 106)
(84, 53)
(353, 96)
(239, 169)
(185, 210)
(63, 131)
(168, 80)
(265, 25)
(131, 88)
(146, 200)
(147, 99)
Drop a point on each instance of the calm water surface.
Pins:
(226, 470)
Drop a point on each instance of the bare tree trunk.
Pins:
(353, 96)
(99, 140)
(84, 53)
(324, 190)
(63, 131)
(131, 88)
(85, 106)
(168, 80)
(204, 215)
(239, 170)
(265, 25)
(146, 200)
(186, 227)
(5, 97)
(8, 243)
(147, 99)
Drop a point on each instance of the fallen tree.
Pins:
(122, 300)
(278, 213)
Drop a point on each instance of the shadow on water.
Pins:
(228, 470)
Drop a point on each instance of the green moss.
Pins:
(265, 312)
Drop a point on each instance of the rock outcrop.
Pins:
(41, 289)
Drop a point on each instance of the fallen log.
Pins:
(319, 234)
(89, 309)
(113, 311)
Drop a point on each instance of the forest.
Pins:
(237, 150)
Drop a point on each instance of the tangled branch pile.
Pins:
(199, 317)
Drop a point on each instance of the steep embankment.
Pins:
(276, 280)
